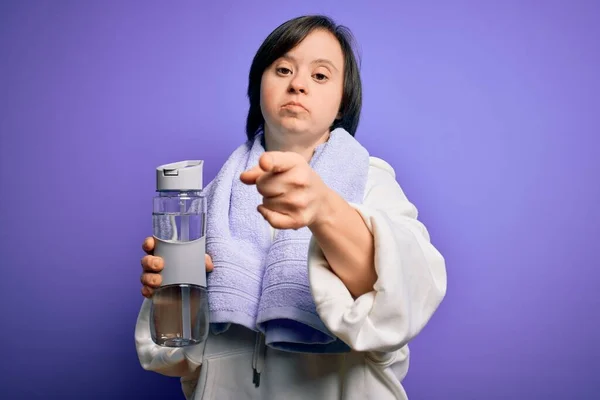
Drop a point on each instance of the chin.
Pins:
(294, 127)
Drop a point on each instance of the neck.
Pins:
(294, 142)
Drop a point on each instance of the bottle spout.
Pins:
(180, 176)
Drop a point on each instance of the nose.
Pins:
(297, 85)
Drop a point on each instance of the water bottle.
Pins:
(179, 310)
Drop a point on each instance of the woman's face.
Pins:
(301, 92)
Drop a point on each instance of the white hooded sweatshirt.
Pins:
(411, 283)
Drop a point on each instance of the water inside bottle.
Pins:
(179, 315)
(177, 226)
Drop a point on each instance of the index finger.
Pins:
(148, 245)
(279, 161)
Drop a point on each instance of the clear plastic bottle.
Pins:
(179, 310)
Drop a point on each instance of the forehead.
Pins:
(319, 44)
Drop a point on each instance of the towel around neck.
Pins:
(261, 282)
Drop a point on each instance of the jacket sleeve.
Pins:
(411, 273)
(180, 362)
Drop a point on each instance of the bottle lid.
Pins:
(180, 176)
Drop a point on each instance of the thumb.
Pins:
(250, 176)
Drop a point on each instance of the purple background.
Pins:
(488, 113)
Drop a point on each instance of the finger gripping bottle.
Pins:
(179, 310)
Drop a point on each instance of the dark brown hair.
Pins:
(284, 38)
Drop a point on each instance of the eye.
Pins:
(283, 71)
(320, 77)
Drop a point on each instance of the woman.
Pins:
(321, 273)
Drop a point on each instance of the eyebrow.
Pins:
(317, 61)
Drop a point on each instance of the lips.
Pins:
(294, 104)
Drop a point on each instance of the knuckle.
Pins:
(147, 291)
(301, 180)
(146, 262)
(148, 245)
(297, 223)
(260, 188)
(297, 180)
(303, 202)
(150, 279)
(300, 201)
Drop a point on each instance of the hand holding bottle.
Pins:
(152, 265)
